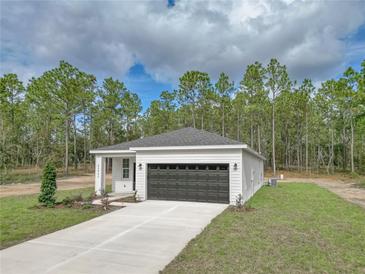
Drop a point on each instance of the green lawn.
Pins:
(296, 228)
(20, 222)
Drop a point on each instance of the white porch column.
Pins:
(99, 174)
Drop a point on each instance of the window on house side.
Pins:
(125, 168)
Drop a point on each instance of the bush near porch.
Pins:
(21, 220)
(296, 228)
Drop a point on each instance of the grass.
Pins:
(360, 183)
(344, 176)
(33, 175)
(22, 178)
(20, 222)
(296, 228)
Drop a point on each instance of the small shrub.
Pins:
(240, 206)
(105, 203)
(239, 201)
(70, 201)
(67, 201)
(48, 186)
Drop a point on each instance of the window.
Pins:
(125, 168)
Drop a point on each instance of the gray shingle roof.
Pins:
(181, 137)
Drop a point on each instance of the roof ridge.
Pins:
(218, 135)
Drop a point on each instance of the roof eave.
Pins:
(162, 148)
(101, 151)
(254, 152)
(200, 147)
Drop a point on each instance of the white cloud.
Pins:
(107, 38)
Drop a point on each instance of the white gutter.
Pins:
(99, 151)
(243, 146)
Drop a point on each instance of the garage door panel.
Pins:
(188, 182)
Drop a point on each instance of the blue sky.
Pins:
(357, 42)
(147, 88)
(150, 44)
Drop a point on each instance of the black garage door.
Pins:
(188, 182)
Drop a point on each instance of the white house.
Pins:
(186, 165)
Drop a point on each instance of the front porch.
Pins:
(123, 173)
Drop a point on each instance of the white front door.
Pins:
(124, 182)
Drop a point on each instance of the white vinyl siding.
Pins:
(204, 156)
(252, 175)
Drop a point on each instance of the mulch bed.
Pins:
(241, 209)
(77, 205)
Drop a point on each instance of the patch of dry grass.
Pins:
(33, 175)
(360, 183)
(343, 176)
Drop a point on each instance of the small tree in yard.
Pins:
(48, 187)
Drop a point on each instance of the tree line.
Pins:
(64, 113)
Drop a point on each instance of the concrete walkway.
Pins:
(140, 238)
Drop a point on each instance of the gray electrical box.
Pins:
(273, 182)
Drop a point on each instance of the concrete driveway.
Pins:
(140, 238)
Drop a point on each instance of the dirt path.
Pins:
(342, 188)
(346, 190)
(73, 182)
